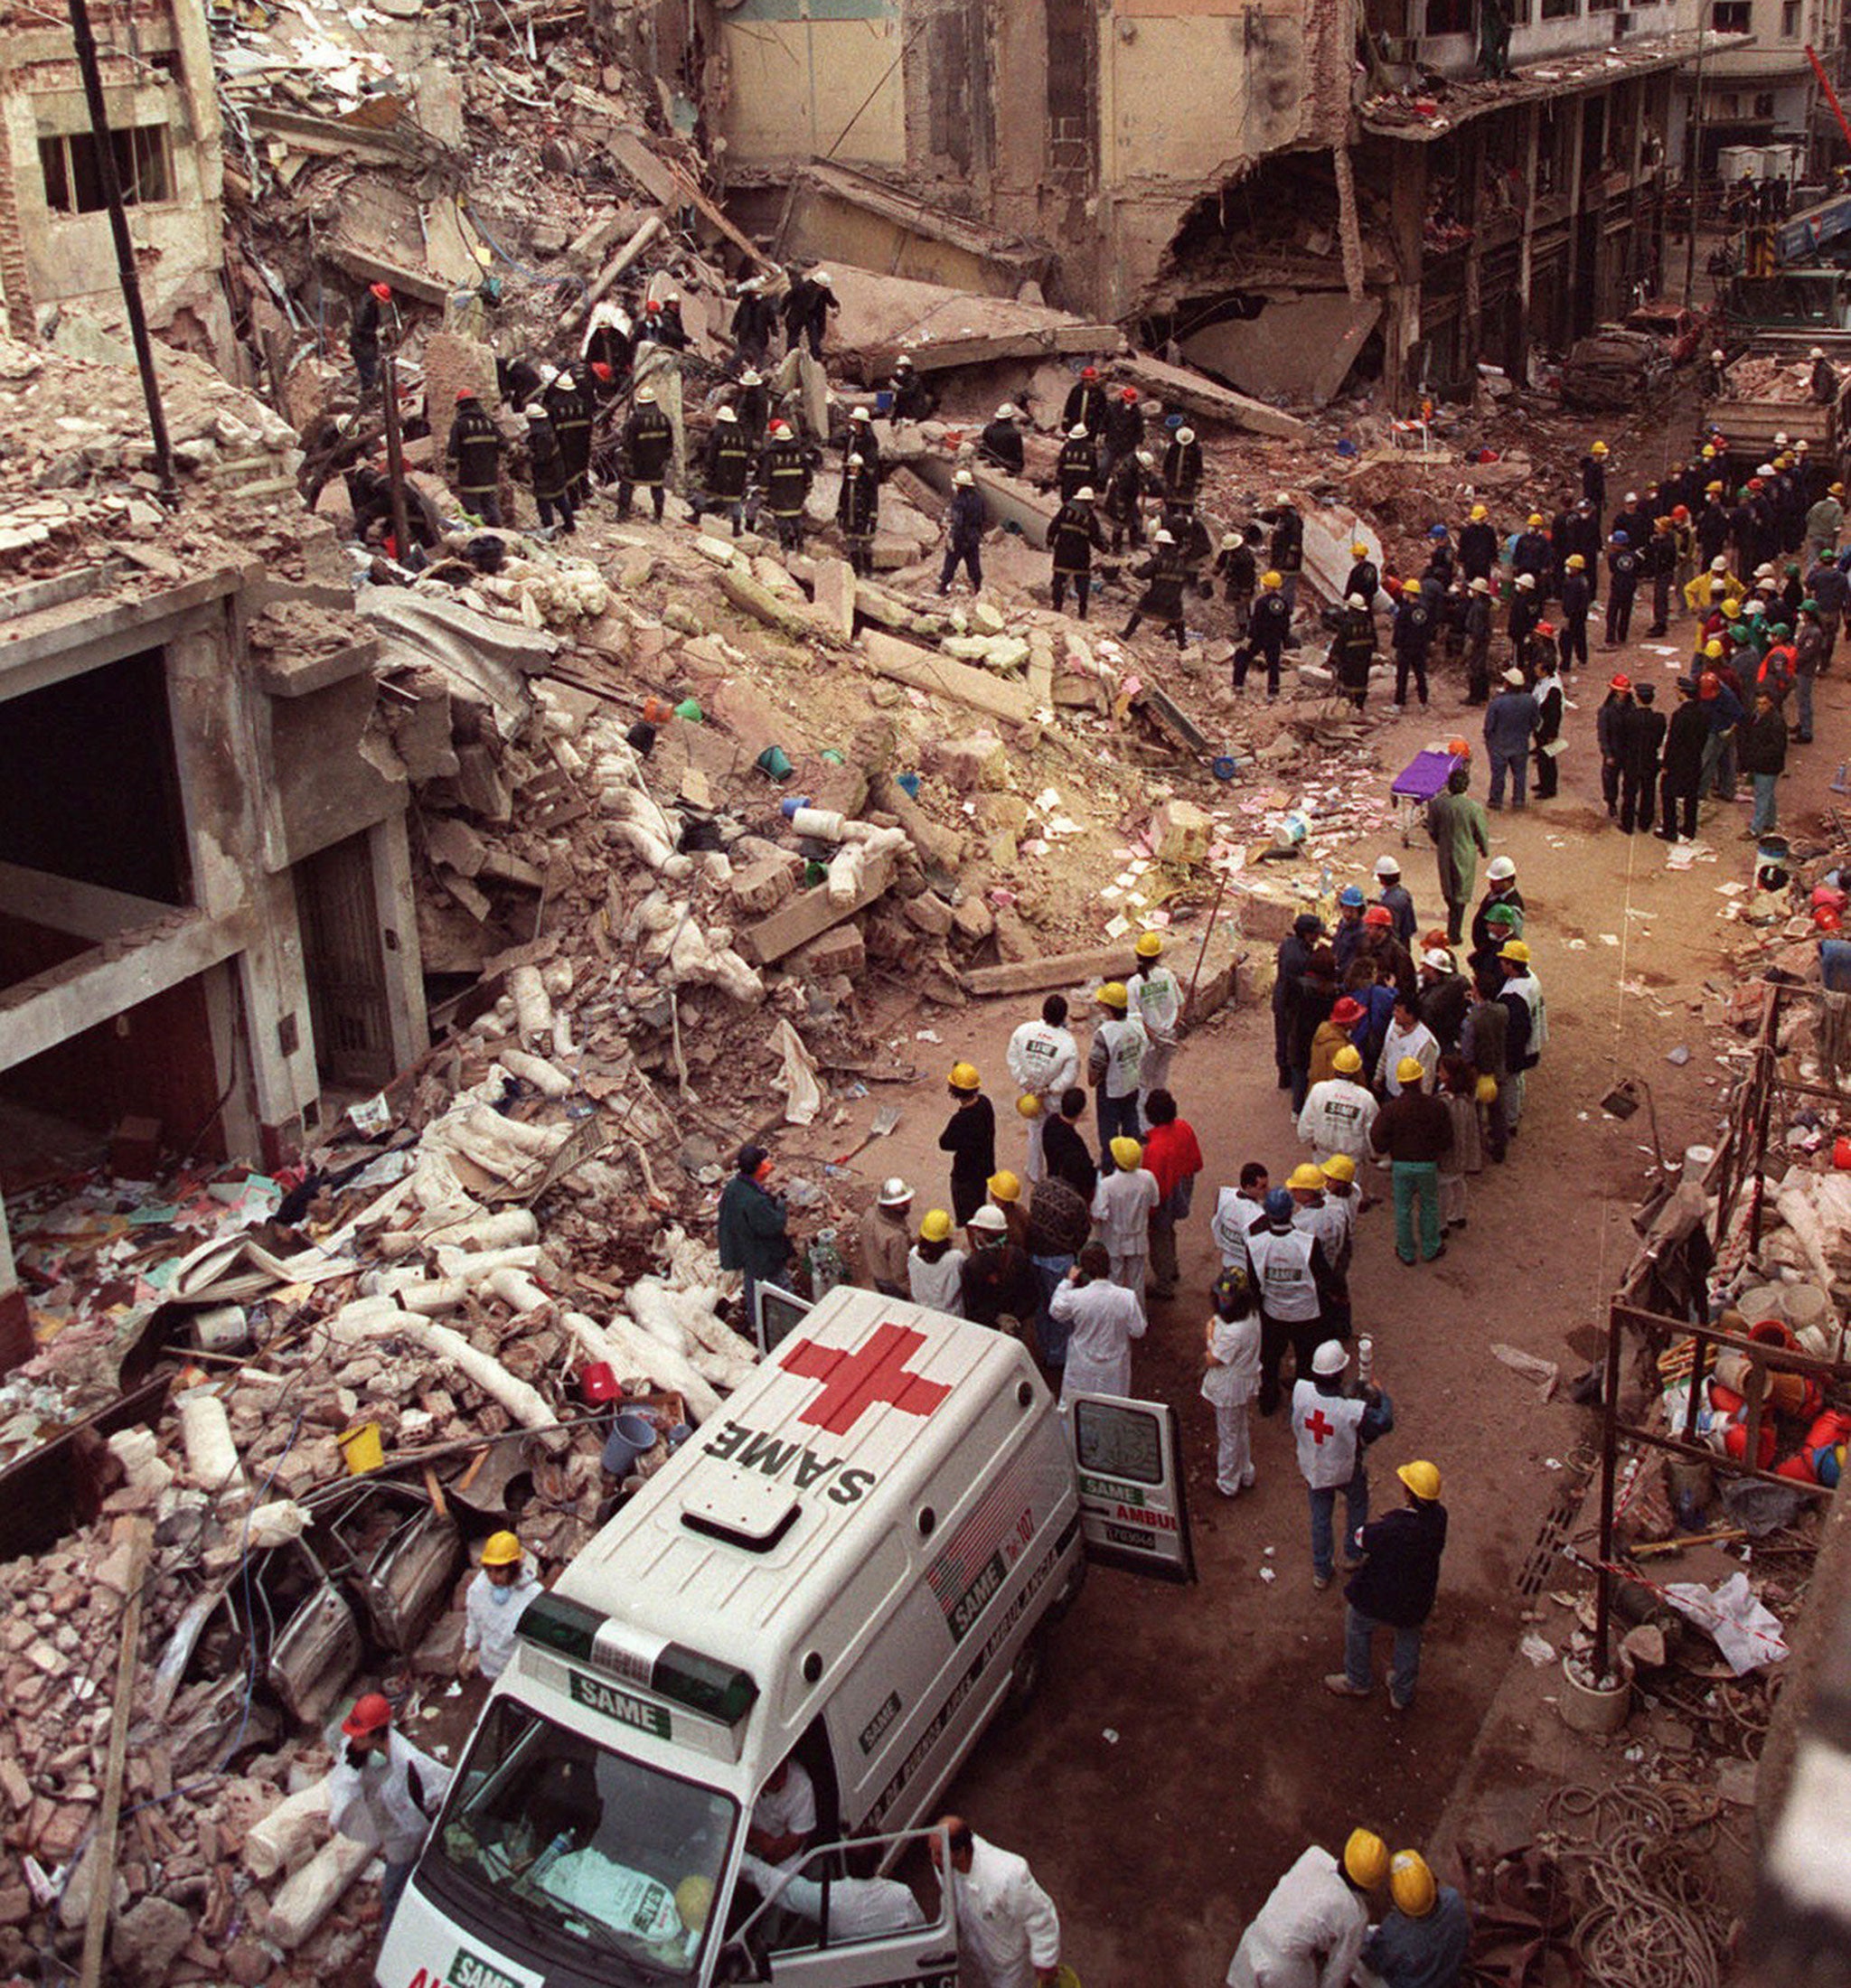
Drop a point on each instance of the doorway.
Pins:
(343, 966)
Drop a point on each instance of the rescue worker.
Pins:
(858, 513)
(753, 401)
(1422, 1942)
(1183, 467)
(1156, 999)
(754, 321)
(1364, 577)
(384, 1793)
(1291, 1275)
(1478, 545)
(1444, 996)
(1551, 703)
(1310, 1932)
(1001, 441)
(1577, 598)
(668, 330)
(1510, 724)
(1268, 632)
(1231, 1377)
(1824, 523)
(1061, 1222)
(1478, 640)
(1413, 1131)
(568, 407)
(1085, 404)
(610, 341)
(729, 467)
(1101, 1317)
(1332, 1428)
(548, 473)
(1809, 652)
(855, 1908)
(1353, 648)
(1238, 571)
(1406, 1040)
(502, 1586)
(1123, 432)
(1006, 1922)
(1163, 574)
(1078, 464)
(1642, 743)
(1285, 551)
(887, 1236)
(935, 1266)
(1411, 637)
(1456, 822)
(1115, 1064)
(1500, 911)
(1823, 383)
(753, 1228)
(1173, 1158)
(472, 458)
(1593, 480)
(1044, 1059)
(1622, 584)
(374, 315)
(1658, 564)
(913, 399)
(1126, 488)
(1527, 1030)
(1294, 955)
(861, 439)
(1123, 1204)
(784, 475)
(997, 1286)
(1763, 756)
(1072, 539)
(1531, 556)
(1395, 896)
(1609, 721)
(806, 308)
(964, 532)
(969, 1137)
(644, 448)
(1340, 1112)
(1394, 1589)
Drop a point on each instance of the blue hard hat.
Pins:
(1350, 894)
(1279, 1205)
(1436, 531)
(1620, 538)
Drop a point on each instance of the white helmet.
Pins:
(1385, 866)
(1501, 869)
(1356, 600)
(895, 1192)
(1185, 436)
(1077, 433)
(1085, 495)
(1007, 411)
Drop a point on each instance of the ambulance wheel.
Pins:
(1025, 1675)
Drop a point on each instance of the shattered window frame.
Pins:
(74, 187)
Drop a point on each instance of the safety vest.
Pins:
(1159, 996)
(1282, 1274)
(1325, 1427)
(1234, 1214)
(1325, 1222)
(1038, 1050)
(1125, 1043)
(1530, 988)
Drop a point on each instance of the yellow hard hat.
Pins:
(1004, 1186)
(1410, 1885)
(1514, 949)
(1365, 1858)
(1485, 1090)
(503, 1550)
(1420, 1478)
(1712, 651)
(1478, 514)
(1112, 995)
(1577, 563)
(1534, 520)
(694, 1899)
(1306, 1177)
(1029, 1105)
(1150, 946)
(965, 1077)
(1271, 579)
(935, 1227)
(1411, 1070)
(1347, 1060)
(1127, 1153)
(1599, 448)
(1709, 455)
(1338, 1167)
(1358, 550)
(1732, 610)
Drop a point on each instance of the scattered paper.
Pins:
(1537, 1649)
(1748, 1634)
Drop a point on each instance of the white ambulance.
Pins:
(850, 1567)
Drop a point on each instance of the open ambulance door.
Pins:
(853, 1936)
(1127, 1462)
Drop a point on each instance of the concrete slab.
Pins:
(1300, 347)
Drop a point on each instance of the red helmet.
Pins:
(465, 393)
(372, 1713)
(1129, 395)
(1680, 514)
(654, 303)
(383, 291)
(1709, 685)
(1546, 628)
(1379, 915)
(1620, 682)
(601, 371)
(1089, 372)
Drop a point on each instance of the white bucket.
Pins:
(1697, 1162)
(1805, 1305)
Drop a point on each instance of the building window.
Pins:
(73, 185)
(1789, 20)
(1730, 16)
(1764, 105)
(1560, 10)
(1452, 16)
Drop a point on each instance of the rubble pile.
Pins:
(1762, 377)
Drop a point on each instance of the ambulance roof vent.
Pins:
(743, 1511)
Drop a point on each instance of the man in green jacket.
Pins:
(753, 1234)
(1456, 824)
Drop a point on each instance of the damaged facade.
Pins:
(205, 901)
(159, 89)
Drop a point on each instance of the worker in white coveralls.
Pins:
(384, 1793)
(1310, 1932)
(1156, 997)
(1044, 1059)
(1006, 1924)
(504, 1584)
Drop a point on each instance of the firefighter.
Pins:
(857, 513)
(1086, 403)
(1001, 441)
(783, 474)
(1183, 467)
(568, 408)
(1164, 577)
(648, 442)
(1078, 461)
(729, 467)
(755, 319)
(548, 469)
(1072, 537)
(473, 458)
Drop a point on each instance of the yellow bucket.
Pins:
(362, 1448)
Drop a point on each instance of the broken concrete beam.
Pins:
(1176, 386)
(310, 1894)
(764, 886)
(928, 913)
(840, 951)
(1049, 970)
(810, 915)
(875, 603)
(939, 848)
(278, 1842)
(799, 623)
(1007, 500)
(940, 676)
(835, 594)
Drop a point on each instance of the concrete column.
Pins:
(15, 1320)
(388, 850)
(1471, 172)
(1577, 107)
(274, 990)
(1532, 132)
(1407, 213)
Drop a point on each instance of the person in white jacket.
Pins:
(935, 1268)
(1232, 1378)
(859, 1909)
(1123, 1205)
(1102, 1319)
(382, 1793)
(503, 1585)
(1006, 1924)
(1044, 1060)
(1310, 1932)
(1339, 1111)
(1407, 1036)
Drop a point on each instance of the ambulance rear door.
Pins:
(1128, 1463)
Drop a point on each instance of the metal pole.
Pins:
(86, 47)
(1694, 172)
(1221, 891)
(395, 454)
(1610, 1465)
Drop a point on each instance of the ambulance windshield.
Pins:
(582, 1844)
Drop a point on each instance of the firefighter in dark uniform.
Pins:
(1001, 441)
(1072, 539)
(913, 399)
(1077, 463)
(857, 513)
(568, 408)
(784, 475)
(1183, 467)
(755, 319)
(472, 458)
(1086, 403)
(549, 468)
(1163, 575)
(648, 443)
(1238, 571)
(1130, 482)
(728, 468)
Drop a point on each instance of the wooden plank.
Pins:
(141, 1541)
(1093, 964)
(809, 917)
(1177, 387)
(669, 184)
(944, 677)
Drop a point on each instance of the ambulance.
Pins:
(850, 1568)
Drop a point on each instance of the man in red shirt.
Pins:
(1172, 1153)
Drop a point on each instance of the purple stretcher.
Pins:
(1417, 782)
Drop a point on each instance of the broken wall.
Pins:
(159, 95)
(814, 79)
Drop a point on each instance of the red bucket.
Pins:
(597, 1383)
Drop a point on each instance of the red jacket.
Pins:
(1172, 1154)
